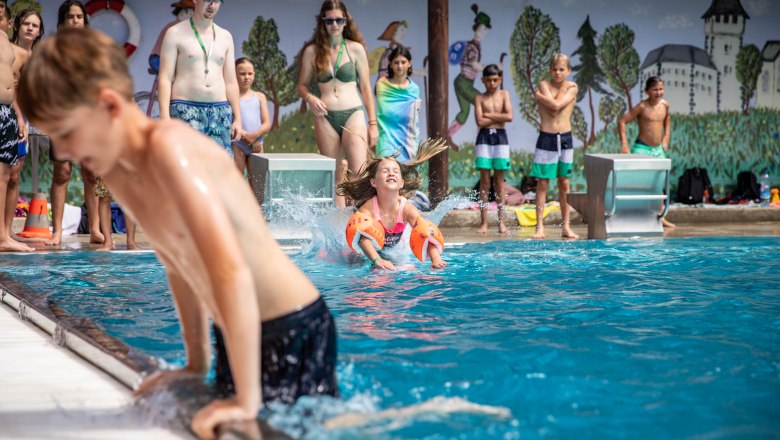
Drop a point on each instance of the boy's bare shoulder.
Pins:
(571, 85)
(165, 134)
(505, 93)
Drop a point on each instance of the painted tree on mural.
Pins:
(579, 126)
(619, 60)
(610, 109)
(588, 74)
(533, 43)
(20, 5)
(748, 68)
(272, 76)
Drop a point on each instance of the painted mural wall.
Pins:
(720, 60)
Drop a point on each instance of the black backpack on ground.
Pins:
(691, 186)
(747, 187)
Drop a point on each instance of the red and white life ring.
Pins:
(133, 25)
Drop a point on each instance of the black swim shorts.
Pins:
(298, 356)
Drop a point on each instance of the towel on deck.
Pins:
(526, 214)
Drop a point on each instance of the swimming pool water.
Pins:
(652, 338)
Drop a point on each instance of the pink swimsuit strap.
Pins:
(400, 225)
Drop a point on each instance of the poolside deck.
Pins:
(50, 392)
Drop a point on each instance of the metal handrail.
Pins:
(615, 197)
(614, 206)
(668, 197)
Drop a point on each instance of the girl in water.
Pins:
(379, 191)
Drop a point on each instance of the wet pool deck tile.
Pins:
(49, 392)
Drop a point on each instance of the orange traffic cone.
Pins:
(37, 224)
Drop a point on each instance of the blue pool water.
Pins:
(644, 338)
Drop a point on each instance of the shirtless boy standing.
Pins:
(197, 80)
(222, 262)
(654, 121)
(554, 152)
(492, 111)
(9, 138)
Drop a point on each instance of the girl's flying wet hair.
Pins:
(359, 188)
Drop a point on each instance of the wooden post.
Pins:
(438, 77)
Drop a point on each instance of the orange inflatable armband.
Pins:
(424, 233)
(362, 225)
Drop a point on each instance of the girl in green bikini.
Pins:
(336, 58)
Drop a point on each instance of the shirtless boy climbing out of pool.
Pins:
(222, 263)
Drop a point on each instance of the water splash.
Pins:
(448, 204)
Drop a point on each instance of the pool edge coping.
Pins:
(85, 347)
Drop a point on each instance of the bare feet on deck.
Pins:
(483, 228)
(539, 235)
(502, 228)
(566, 232)
(11, 245)
(107, 245)
(55, 240)
(132, 245)
(667, 223)
(96, 237)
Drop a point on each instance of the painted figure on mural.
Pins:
(379, 58)
(470, 67)
(182, 10)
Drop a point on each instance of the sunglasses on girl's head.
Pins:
(209, 2)
(330, 21)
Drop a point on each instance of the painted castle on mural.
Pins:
(705, 80)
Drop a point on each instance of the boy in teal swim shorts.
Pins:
(554, 152)
(654, 121)
(652, 116)
(492, 111)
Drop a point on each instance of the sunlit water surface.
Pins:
(647, 338)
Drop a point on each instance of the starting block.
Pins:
(279, 176)
(624, 195)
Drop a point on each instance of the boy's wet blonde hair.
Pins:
(359, 188)
(560, 58)
(68, 70)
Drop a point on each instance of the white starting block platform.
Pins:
(279, 176)
(624, 195)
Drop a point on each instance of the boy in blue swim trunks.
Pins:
(492, 111)
(276, 337)
(654, 121)
(554, 152)
(197, 79)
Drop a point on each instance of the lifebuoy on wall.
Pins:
(133, 25)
